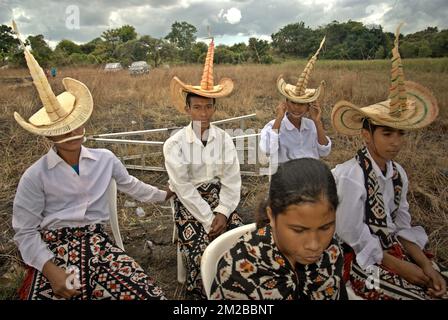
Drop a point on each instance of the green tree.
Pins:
(199, 50)
(9, 45)
(68, 47)
(295, 40)
(90, 46)
(240, 51)
(408, 49)
(81, 59)
(120, 35)
(159, 51)
(353, 40)
(40, 49)
(259, 51)
(114, 39)
(424, 50)
(224, 55)
(183, 36)
(439, 44)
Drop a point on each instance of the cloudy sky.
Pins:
(230, 20)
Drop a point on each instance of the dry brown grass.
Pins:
(120, 99)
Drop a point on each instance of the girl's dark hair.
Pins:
(295, 182)
(191, 95)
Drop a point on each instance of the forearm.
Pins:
(321, 137)
(134, 187)
(230, 193)
(415, 253)
(49, 268)
(390, 262)
(277, 123)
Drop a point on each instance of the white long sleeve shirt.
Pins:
(350, 215)
(51, 195)
(189, 163)
(292, 143)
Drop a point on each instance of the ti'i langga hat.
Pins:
(410, 106)
(207, 88)
(60, 114)
(299, 93)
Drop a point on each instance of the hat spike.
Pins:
(207, 75)
(48, 98)
(302, 83)
(397, 91)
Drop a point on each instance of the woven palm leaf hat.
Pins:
(207, 88)
(299, 93)
(60, 114)
(410, 106)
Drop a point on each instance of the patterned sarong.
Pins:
(193, 239)
(105, 271)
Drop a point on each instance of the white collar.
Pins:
(290, 126)
(192, 137)
(54, 159)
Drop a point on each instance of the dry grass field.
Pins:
(125, 103)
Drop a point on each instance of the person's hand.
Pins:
(315, 112)
(169, 193)
(280, 110)
(413, 274)
(58, 279)
(437, 287)
(218, 225)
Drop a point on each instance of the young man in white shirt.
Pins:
(204, 172)
(373, 217)
(291, 135)
(61, 206)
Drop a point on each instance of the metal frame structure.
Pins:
(117, 139)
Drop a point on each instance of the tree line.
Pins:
(344, 40)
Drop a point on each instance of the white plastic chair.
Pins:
(181, 269)
(216, 249)
(112, 195)
(351, 294)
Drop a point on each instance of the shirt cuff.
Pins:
(370, 255)
(161, 196)
(207, 224)
(222, 209)
(42, 258)
(416, 235)
(324, 150)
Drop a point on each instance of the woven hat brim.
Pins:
(179, 90)
(80, 114)
(281, 86)
(347, 118)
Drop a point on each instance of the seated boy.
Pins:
(61, 206)
(373, 217)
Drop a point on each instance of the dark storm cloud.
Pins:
(262, 17)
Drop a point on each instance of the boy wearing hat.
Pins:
(291, 135)
(387, 261)
(61, 206)
(204, 172)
